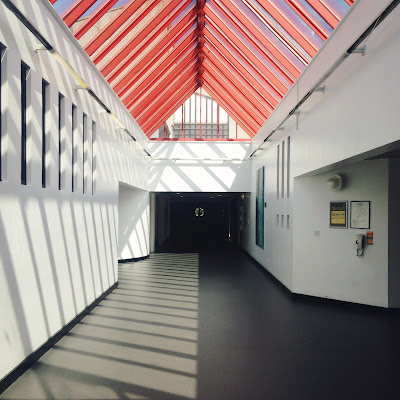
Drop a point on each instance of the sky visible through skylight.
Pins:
(63, 5)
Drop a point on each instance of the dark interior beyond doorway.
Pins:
(196, 220)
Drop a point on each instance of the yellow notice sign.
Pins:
(338, 214)
(338, 217)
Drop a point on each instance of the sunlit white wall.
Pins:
(58, 247)
(134, 222)
(357, 117)
(200, 167)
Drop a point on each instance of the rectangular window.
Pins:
(73, 133)
(288, 168)
(2, 65)
(277, 171)
(84, 148)
(24, 105)
(45, 110)
(61, 119)
(94, 133)
(283, 170)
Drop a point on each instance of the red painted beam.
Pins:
(284, 21)
(249, 130)
(85, 26)
(179, 97)
(280, 34)
(142, 14)
(156, 53)
(176, 74)
(234, 95)
(113, 26)
(242, 87)
(143, 39)
(349, 2)
(76, 11)
(156, 78)
(238, 47)
(164, 101)
(303, 13)
(136, 90)
(233, 105)
(238, 68)
(52, 1)
(160, 95)
(245, 24)
(325, 11)
(166, 95)
(174, 103)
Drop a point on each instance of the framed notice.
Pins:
(360, 214)
(338, 214)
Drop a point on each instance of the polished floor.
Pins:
(213, 325)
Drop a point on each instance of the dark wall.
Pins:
(218, 224)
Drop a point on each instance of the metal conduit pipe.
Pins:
(353, 49)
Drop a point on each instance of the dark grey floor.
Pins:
(213, 325)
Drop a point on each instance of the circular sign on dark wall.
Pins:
(199, 212)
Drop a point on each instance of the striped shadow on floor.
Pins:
(141, 342)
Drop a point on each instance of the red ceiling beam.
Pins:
(143, 39)
(258, 39)
(253, 75)
(254, 62)
(231, 102)
(113, 26)
(235, 96)
(303, 13)
(164, 112)
(172, 105)
(279, 16)
(139, 17)
(155, 78)
(165, 96)
(325, 11)
(213, 45)
(85, 26)
(257, 102)
(76, 11)
(150, 99)
(137, 90)
(52, 1)
(157, 52)
(349, 2)
(200, 39)
(240, 18)
(251, 131)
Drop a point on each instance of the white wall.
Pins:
(325, 265)
(134, 223)
(355, 118)
(58, 248)
(183, 167)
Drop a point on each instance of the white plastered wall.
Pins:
(357, 117)
(134, 223)
(58, 248)
(199, 167)
(324, 260)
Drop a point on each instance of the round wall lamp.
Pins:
(335, 183)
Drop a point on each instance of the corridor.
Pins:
(214, 325)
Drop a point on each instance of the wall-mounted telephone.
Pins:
(358, 242)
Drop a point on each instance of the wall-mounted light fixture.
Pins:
(335, 183)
